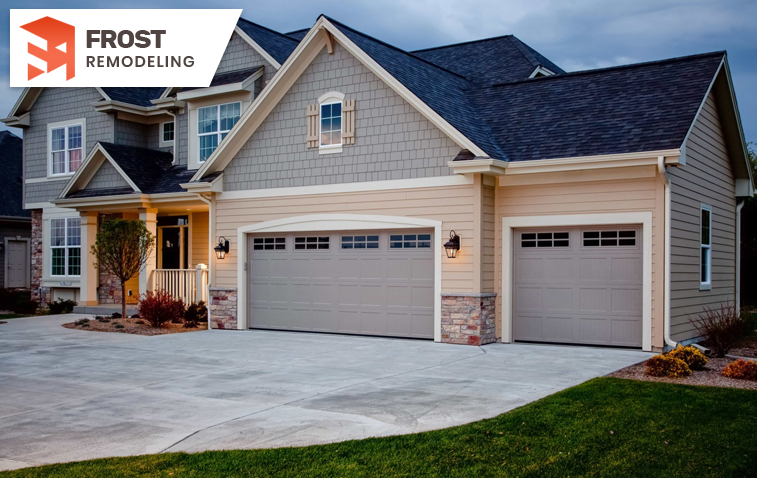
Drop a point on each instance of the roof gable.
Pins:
(275, 44)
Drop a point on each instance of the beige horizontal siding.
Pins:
(707, 178)
(590, 192)
(453, 206)
(199, 239)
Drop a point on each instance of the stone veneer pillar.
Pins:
(468, 319)
(222, 309)
(38, 293)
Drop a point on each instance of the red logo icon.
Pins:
(60, 46)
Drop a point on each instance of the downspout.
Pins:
(666, 261)
(739, 205)
(210, 247)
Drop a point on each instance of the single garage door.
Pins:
(578, 285)
(367, 282)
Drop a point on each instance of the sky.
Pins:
(575, 34)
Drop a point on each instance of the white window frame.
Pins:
(705, 261)
(66, 247)
(330, 98)
(163, 143)
(219, 132)
(65, 124)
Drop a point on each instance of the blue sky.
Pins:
(577, 35)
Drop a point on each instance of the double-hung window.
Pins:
(65, 245)
(65, 149)
(213, 124)
(705, 247)
(331, 125)
(167, 132)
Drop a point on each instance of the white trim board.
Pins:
(256, 47)
(337, 222)
(365, 186)
(601, 219)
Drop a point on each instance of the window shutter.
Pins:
(348, 122)
(312, 116)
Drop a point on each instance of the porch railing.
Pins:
(189, 285)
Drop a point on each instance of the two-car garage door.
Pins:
(578, 285)
(352, 282)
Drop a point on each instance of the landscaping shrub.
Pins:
(195, 313)
(116, 315)
(140, 322)
(692, 356)
(18, 300)
(666, 366)
(61, 306)
(82, 322)
(135, 316)
(722, 328)
(119, 326)
(741, 369)
(160, 307)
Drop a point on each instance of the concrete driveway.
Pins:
(72, 395)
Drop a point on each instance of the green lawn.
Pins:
(605, 427)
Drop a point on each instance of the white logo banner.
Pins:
(118, 47)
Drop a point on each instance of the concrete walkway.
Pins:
(70, 395)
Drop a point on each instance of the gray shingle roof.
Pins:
(633, 108)
(298, 34)
(489, 61)
(11, 160)
(278, 45)
(228, 77)
(134, 96)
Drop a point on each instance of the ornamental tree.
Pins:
(122, 248)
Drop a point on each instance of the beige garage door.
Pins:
(368, 282)
(578, 285)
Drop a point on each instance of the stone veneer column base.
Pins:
(38, 293)
(468, 319)
(223, 308)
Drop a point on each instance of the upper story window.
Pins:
(66, 146)
(331, 124)
(213, 124)
(167, 132)
(65, 245)
(705, 247)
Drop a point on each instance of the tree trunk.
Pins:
(123, 299)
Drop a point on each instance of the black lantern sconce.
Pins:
(222, 248)
(453, 245)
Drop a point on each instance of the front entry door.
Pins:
(171, 248)
(18, 264)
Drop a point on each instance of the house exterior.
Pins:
(15, 222)
(597, 207)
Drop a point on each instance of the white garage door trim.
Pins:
(601, 219)
(337, 222)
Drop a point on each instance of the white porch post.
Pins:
(89, 273)
(149, 216)
(200, 283)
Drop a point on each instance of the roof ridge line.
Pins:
(462, 43)
(612, 68)
(295, 31)
(396, 48)
(520, 46)
(283, 35)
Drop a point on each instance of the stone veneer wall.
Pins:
(223, 308)
(468, 319)
(40, 294)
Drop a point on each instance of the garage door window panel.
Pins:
(360, 242)
(623, 238)
(545, 239)
(410, 241)
(311, 243)
(269, 244)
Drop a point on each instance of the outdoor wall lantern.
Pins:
(222, 248)
(453, 245)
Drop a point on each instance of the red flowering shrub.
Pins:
(160, 307)
(741, 369)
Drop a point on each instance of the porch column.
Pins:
(149, 216)
(89, 273)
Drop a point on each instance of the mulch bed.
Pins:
(132, 327)
(747, 349)
(711, 376)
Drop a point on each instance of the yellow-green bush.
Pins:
(664, 365)
(741, 369)
(693, 357)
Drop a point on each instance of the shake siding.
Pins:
(707, 178)
(52, 106)
(199, 239)
(392, 139)
(107, 177)
(240, 55)
(590, 192)
(451, 205)
(129, 133)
